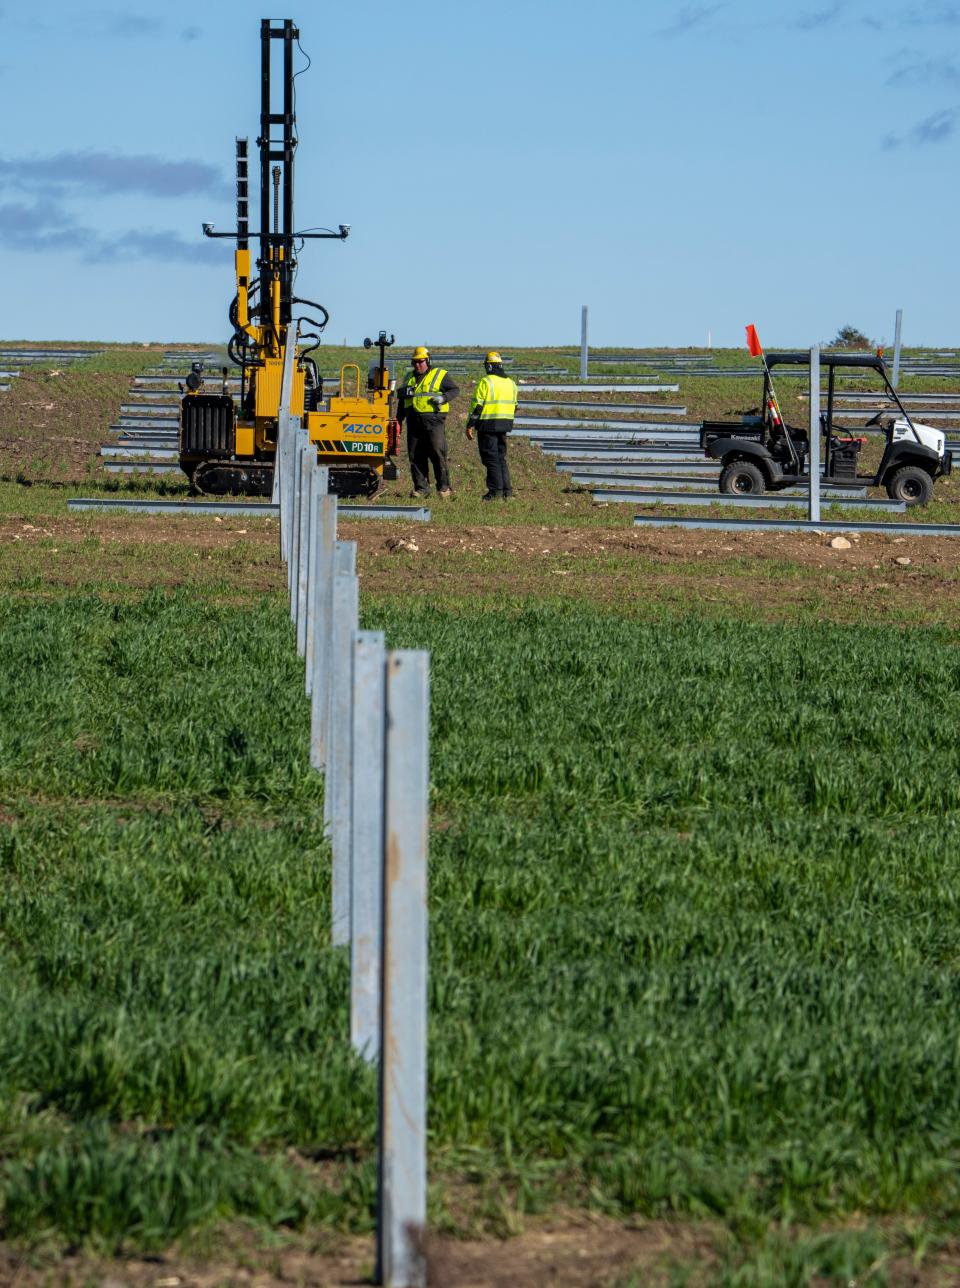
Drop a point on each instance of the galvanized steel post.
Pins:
(318, 490)
(338, 773)
(583, 343)
(895, 378)
(308, 451)
(366, 841)
(326, 547)
(343, 561)
(403, 1033)
(283, 415)
(295, 480)
(275, 487)
(280, 482)
(285, 455)
(813, 464)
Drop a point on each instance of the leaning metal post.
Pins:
(282, 453)
(895, 378)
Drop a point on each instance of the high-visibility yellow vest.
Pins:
(417, 391)
(495, 398)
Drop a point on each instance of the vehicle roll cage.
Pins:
(868, 361)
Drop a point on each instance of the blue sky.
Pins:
(682, 168)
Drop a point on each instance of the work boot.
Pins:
(508, 496)
(421, 492)
(445, 492)
(492, 496)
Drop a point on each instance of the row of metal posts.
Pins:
(369, 738)
(584, 349)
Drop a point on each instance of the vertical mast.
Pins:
(290, 33)
(276, 243)
(264, 263)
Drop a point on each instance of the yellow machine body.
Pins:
(228, 444)
(354, 426)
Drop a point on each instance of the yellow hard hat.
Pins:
(493, 356)
(420, 353)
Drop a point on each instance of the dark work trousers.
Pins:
(493, 453)
(426, 445)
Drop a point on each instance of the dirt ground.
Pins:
(578, 1252)
(570, 1251)
(54, 421)
(772, 574)
(384, 537)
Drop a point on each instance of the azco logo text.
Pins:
(359, 428)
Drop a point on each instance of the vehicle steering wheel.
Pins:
(876, 422)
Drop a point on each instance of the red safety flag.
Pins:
(753, 342)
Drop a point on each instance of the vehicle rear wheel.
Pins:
(911, 484)
(742, 478)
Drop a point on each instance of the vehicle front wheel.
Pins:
(742, 478)
(911, 484)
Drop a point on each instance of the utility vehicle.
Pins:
(762, 453)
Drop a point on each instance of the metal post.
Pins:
(318, 490)
(337, 797)
(403, 1032)
(344, 561)
(366, 842)
(326, 547)
(281, 475)
(895, 379)
(344, 564)
(283, 411)
(294, 549)
(303, 548)
(813, 462)
(583, 342)
(275, 493)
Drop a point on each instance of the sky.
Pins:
(680, 168)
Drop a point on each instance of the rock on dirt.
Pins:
(840, 543)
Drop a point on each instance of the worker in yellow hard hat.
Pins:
(492, 410)
(423, 402)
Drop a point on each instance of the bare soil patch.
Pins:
(573, 1252)
(661, 543)
(770, 574)
(54, 421)
(564, 1251)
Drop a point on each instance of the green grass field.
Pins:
(693, 931)
(694, 936)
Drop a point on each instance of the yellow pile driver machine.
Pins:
(228, 442)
